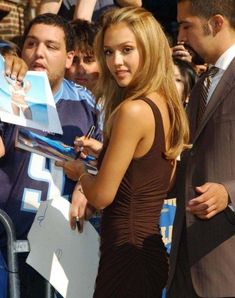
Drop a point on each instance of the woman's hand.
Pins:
(80, 209)
(88, 146)
(77, 208)
(73, 169)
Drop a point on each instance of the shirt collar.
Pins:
(58, 94)
(226, 58)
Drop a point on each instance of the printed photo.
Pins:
(31, 141)
(47, 147)
(29, 103)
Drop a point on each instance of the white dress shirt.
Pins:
(222, 63)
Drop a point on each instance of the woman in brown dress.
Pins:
(145, 129)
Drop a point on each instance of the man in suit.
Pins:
(202, 260)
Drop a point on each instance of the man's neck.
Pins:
(58, 92)
(56, 87)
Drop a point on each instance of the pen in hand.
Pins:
(90, 132)
(87, 136)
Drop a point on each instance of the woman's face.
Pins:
(179, 80)
(84, 70)
(122, 53)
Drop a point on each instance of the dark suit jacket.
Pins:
(211, 243)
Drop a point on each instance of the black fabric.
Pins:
(165, 12)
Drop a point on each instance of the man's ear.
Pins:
(69, 59)
(216, 22)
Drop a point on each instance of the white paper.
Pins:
(35, 95)
(66, 258)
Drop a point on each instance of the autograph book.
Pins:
(42, 145)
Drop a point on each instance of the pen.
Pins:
(87, 136)
(90, 132)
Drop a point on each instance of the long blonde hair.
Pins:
(156, 74)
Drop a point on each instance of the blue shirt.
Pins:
(26, 178)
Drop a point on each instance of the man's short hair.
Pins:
(209, 8)
(57, 21)
(85, 33)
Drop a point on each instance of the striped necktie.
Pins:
(205, 86)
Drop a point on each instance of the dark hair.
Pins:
(85, 33)
(188, 73)
(57, 21)
(209, 8)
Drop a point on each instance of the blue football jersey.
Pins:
(27, 178)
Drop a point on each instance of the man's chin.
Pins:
(196, 58)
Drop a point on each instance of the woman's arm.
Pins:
(129, 130)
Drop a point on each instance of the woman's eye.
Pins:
(107, 52)
(179, 80)
(127, 50)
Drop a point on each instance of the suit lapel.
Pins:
(192, 108)
(222, 89)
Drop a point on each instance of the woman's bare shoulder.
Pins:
(134, 108)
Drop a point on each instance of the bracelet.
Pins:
(82, 175)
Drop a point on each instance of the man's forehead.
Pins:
(184, 11)
(184, 7)
(47, 30)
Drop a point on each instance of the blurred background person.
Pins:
(84, 69)
(185, 78)
(89, 10)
